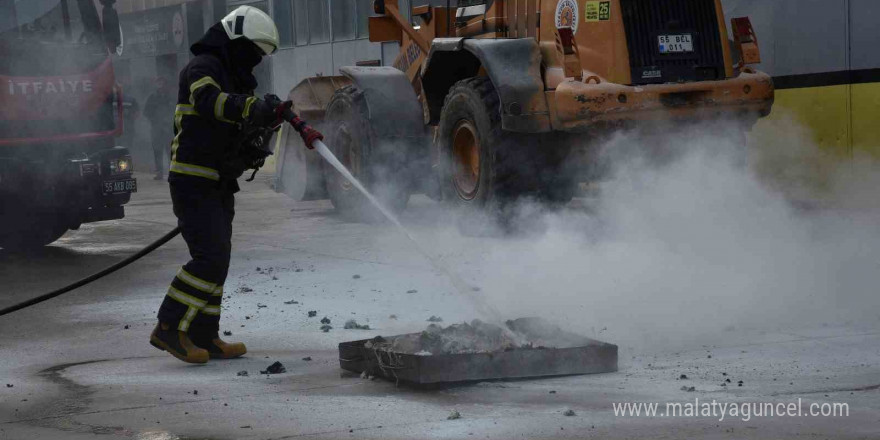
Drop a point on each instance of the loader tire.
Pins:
(475, 153)
(352, 141)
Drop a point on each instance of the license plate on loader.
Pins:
(676, 43)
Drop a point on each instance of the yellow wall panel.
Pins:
(866, 118)
(843, 119)
(821, 117)
(824, 110)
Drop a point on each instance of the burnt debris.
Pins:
(351, 324)
(275, 368)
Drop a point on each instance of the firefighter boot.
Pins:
(178, 344)
(216, 347)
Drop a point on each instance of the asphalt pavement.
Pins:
(80, 366)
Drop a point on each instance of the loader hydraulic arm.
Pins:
(390, 8)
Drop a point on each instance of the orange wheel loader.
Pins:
(493, 99)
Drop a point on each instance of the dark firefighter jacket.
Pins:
(212, 100)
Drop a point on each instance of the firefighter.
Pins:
(214, 103)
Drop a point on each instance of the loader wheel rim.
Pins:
(466, 160)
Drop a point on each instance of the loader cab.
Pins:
(469, 9)
(483, 18)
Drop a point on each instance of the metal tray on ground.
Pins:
(589, 357)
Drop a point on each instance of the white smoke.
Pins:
(683, 245)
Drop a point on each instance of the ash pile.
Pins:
(480, 337)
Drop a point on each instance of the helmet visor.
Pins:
(265, 48)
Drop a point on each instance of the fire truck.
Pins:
(60, 112)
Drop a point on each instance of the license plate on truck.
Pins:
(119, 186)
(676, 43)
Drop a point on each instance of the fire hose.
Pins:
(98, 275)
(310, 137)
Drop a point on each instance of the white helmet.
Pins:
(253, 24)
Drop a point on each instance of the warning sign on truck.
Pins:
(597, 11)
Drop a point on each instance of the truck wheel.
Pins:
(351, 139)
(472, 143)
(23, 235)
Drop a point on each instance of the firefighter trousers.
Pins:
(204, 213)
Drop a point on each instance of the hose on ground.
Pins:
(146, 250)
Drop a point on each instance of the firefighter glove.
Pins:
(262, 114)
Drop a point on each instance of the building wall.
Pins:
(825, 60)
(127, 6)
(301, 56)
